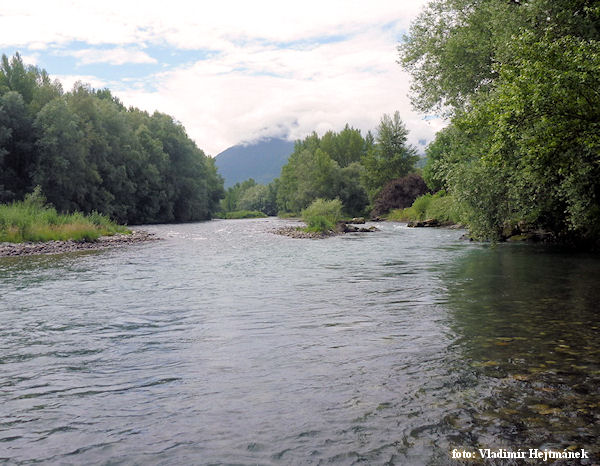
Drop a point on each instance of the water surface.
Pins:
(225, 343)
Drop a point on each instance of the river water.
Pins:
(224, 343)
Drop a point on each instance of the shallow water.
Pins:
(225, 343)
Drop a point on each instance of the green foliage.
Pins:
(260, 198)
(390, 158)
(452, 49)
(421, 205)
(444, 208)
(523, 147)
(345, 166)
(307, 176)
(440, 206)
(239, 214)
(322, 215)
(346, 147)
(350, 190)
(88, 152)
(32, 220)
(249, 196)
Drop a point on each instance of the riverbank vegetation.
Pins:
(339, 166)
(239, 214)
(439, 206)
(322, 216)
(33, 220)
(89, 153)
(249, 196)
(518, 81)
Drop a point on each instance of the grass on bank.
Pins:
(238, 214)
(322, 216)
(439, 206)
(32, 220)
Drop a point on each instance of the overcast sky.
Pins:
(230, 71)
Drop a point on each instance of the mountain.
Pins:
(261, 160)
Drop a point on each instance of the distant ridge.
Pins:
(261, 160)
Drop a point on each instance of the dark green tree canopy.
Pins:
(88, 152)
(345, 166)
(520, 81)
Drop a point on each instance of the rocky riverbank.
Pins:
(59, 247)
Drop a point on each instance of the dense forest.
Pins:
(520, 83)
(87, 152)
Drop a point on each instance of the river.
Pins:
(225, 343)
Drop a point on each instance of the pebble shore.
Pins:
(59, 247)
(296, 232)
(341, 229)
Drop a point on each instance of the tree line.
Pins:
(87, 152)
(342, 165)
(519, 82)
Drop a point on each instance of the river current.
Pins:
(224, 343)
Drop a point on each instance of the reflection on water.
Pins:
(227, 344)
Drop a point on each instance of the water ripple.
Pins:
(226, 344)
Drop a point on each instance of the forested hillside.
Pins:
(87, 152)
(520, 83)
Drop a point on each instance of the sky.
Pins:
(230, 71)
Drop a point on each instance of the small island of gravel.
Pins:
(60, 247)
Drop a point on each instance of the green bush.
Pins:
(322, 215)
(421, 205)
(239, 214)
(440, 206)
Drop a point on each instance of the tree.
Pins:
(522, 150)
(61, 170)
(259, 198)
(345, 147)
(391, 157)
(399, 194)
(88, 152)
(15, 76)
(17, 147)
(453, 48)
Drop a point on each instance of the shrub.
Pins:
(440, 206)
(420, 206)
(322, 215)
(399, 194)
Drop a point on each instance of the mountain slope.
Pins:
(261, 160)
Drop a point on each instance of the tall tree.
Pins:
(522, 148)
(17, 147)
(88, 152)
(391, 157)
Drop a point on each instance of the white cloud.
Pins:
(31, 59)
(115, 56)
(249, 92)
(186, 24)
(251, 85)
(68, 80)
